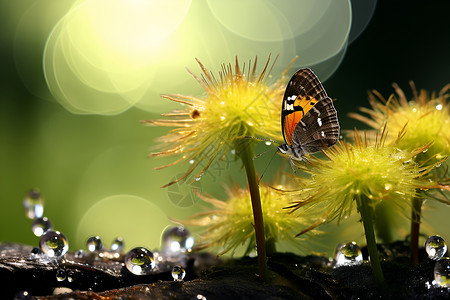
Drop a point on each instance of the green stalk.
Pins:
(415, 228)
(366, 211)
(245, 150)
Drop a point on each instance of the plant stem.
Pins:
(366, 210)
(415, 228)
(246, 153)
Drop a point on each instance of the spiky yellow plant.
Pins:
(237, 103)
(427, 119)
(358, 177)
(229, 224)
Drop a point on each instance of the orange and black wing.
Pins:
(303, 91)
(319, 128)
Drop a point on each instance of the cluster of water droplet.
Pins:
(347, 254)
(33, 204)
(176, 243)
(436, 249)
(53, 244)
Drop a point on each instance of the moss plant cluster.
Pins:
(398, 164)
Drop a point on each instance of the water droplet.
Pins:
(36, 251)
(79, 253)
(117, 244)
(139, 261)
(388, 186)
(33, 204)
(22, 295)
(54, 243)
(233, 151)
(442, 272)
(192, 161)
(435, 247)
(177, 240)
(268, 143)
(348, 254)
(41, 225)
(178, 273)
(61, 275)
(70, 276)
(94, 244)
(198, 297)
(439, 107)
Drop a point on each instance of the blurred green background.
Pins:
(76, 77)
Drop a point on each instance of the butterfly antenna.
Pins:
(264, 172)
(259, 139)
(258, 155)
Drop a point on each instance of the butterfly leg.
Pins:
(292, 165)
(306, 160)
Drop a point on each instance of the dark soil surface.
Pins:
(292, 277)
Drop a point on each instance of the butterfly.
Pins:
(308, 118)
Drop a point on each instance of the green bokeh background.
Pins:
(94, 171)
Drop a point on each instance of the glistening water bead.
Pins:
(442, 272)
(33, 204)
(22, 295)
(79, 253)
(348, 254)
(53, 243)
(177, 240)
(94, 244)
(178, 273)
(41, 225)
(435, 247)
(117, 244)
(139, 261)
(61, 275)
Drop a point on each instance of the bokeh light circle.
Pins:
(138, 220)
(268, 20)
(100, 57)
(105, 56)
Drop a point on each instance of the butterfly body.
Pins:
(308, 118)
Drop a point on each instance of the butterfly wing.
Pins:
(319, 127)
(303, 91)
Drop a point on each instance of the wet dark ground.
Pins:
(292, 277)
